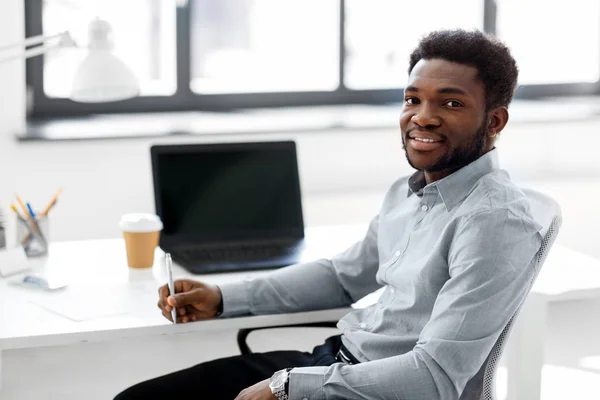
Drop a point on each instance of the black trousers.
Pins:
(227, 377)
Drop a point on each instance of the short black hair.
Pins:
(497, 68)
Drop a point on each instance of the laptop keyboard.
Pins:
(233, 252)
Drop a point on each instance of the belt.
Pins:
(346, 357)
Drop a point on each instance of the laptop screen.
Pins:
(227, 191)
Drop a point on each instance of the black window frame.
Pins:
(40, 107)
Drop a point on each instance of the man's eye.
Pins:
(411, 100)
(453, 104)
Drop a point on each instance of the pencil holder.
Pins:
(34, 236)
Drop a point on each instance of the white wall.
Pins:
(12, 108)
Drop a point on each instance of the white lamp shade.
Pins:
(102, 77)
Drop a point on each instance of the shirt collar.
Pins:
(456, 186)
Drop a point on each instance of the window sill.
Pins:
(145, 125)
(299, 119)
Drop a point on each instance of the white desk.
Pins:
(98, 272)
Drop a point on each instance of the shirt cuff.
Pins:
(307, 383)
(235, 299)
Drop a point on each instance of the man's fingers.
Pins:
(186, 294)
(163, 291)
(184, 285)
(180, 286)
(180, 319)
(167, 315)
(164, 306)
(183, 299)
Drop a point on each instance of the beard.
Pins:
(457, 158)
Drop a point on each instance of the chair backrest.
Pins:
(546, 212)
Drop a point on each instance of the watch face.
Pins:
(278, 379)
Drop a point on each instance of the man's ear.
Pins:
(497, 120)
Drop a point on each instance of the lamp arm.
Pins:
(37, 51)
(21, 51)
(33, 41)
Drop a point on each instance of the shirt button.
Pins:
(363, 325)
(392, 290)
(397, 253)
(424, 207)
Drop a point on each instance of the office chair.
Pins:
(547, 213)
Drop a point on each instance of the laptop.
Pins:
(229, 206)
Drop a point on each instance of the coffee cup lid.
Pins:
(138, 222)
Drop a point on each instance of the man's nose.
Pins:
(425, 116)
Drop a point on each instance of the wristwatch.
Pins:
(278, 383)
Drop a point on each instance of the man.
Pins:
(453, 245)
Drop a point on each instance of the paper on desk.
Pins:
(87, 302)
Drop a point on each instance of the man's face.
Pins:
(444, 120)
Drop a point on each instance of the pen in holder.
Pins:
(33, 235)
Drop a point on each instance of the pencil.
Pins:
(12, 207)
(27, 215)
(52, 202)
(22, 220)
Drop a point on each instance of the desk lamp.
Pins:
(101, 77)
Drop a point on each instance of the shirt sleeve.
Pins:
(490, 261)
(322, 284)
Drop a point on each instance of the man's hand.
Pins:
(194, 300)
(260, 391)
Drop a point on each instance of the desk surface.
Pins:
(123, 300)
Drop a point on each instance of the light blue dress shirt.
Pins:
(456, 260)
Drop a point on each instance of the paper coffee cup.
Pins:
(141, 233)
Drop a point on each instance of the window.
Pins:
(254, 46)
(553, 42)
(227, 54)
(379, 39)
(147, 46)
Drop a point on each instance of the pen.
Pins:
(30, 211)
(34, 222)
(169, 264)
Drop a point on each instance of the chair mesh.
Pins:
(546, 212)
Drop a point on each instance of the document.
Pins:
(87, 302)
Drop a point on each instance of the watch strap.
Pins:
(281, 389)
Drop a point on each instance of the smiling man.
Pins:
(453, 246)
